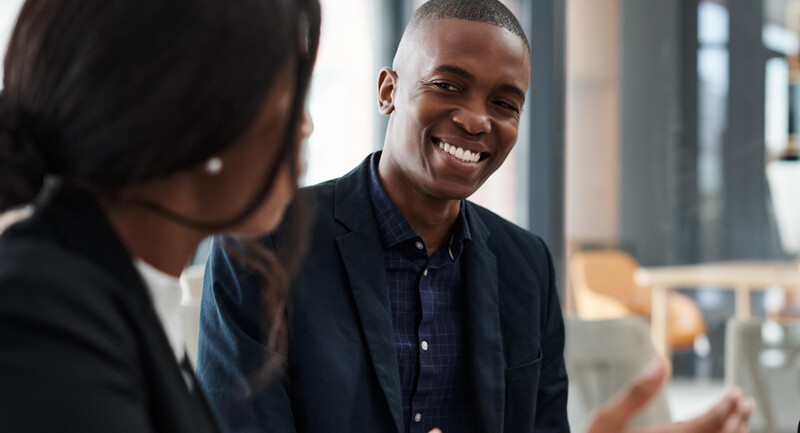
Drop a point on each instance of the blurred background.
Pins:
(658, 159)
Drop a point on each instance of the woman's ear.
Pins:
(387, 82)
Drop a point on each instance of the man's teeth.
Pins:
(464, 155)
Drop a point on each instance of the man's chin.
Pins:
(455, 192)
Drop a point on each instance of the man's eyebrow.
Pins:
(455, 70)
(463, 73)
(513, 89)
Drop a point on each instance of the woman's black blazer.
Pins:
(81, 348)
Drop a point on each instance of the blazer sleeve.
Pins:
(230, 351)
(68, 356)
(551, 401)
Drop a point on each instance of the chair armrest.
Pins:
(592, 306)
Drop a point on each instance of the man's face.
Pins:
(456, 98)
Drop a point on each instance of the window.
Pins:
(342, 98)
(9, 10)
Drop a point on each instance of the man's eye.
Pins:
(507, 106)
(446, 86)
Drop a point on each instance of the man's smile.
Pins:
(460, 153)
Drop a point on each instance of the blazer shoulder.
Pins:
(312, 205)
(323, 190)
(504, 232)
(30, 251)
(319, 198)
(38, 273)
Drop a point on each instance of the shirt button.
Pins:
(425, 272)
(418, 417)
(419, 245)
(424, 345)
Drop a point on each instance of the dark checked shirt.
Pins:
(427, 300)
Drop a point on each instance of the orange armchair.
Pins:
(604, 288)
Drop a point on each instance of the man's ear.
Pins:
(387, 82)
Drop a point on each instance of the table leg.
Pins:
(658, 322)
(743, 302)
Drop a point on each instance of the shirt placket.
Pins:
(427, 348)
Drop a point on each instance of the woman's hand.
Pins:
(729, 415)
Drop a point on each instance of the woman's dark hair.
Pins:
(108, 93)
(113, 92)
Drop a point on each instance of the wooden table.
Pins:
(741, 276)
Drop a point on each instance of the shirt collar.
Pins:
(393, 226)
(165, 291)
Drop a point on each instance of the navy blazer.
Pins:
(342, 371)
(81, 347)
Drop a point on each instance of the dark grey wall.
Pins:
(650, 130)
(545, 24)
(688, 203)
(746, 225)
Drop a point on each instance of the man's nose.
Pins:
(473, 119)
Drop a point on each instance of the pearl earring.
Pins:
(214, 166)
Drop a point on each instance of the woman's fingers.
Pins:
(730, 415)
(738, 420)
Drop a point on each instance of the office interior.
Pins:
(657, 158)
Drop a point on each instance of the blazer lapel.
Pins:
(362, 253)
(485, 349)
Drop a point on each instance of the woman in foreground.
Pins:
(137, 128)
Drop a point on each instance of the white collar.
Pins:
(166, 294)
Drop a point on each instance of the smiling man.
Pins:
(415, 308)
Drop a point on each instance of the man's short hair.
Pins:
(482, 11)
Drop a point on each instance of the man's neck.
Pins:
(432, 218)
